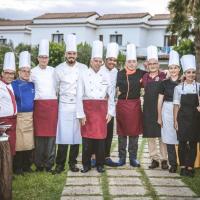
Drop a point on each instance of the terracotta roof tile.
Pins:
(160, 17)
(15, 22)
(66, 15)
(123, 16)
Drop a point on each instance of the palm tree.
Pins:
(185, 22)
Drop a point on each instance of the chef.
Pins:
(165, 109)
(24, 94)
(68, 129)
(45, 110)
(186, 103)
(128, 110)
(8, 107)
(8, 111)
(152, 129)
(110, 67)
(95, 107)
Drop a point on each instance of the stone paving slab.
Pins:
(122, 172)
(92, 172)
(127, 190)
(160, 173)
(83, 181)
(82, 198)
(124, 181)
(179, 198)
(174, 191)
(132, 198)
(167, 182)
(83, 190)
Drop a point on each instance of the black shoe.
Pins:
(190, 172)
(39, 169)
(110, 163)
(154, 164)
(164, 165)
(183, 172)
(172, 169)
(73, 168)
(58, 169)
(134, 163)
(85, 169)
(48, 169)
(100, 169)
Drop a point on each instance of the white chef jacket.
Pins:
(66, 81)
(44, 81)
(192, 88)
(6, 105)
(95, 86)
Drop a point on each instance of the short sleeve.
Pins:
(177, 96)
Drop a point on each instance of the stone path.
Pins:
(126, 182)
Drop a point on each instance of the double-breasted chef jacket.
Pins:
(46, 105)
(8, 111)
(68, 128)
(95, 99)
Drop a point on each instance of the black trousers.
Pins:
(187, 152)
(62, 154)
(90, 146)
(132, 146)
(45, 151)
(171, 151)
(22, 160)
(108, 140)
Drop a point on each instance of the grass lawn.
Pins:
(38, 186)
(194, 183)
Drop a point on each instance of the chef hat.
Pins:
(24, 59)
(112, 50)
(71, 43)
(97, 49)
(44, 48)
(174, 58)
(9, 61)
(152, 52)
(131, 52)
(188, 62)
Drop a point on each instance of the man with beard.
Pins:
(45, 110)
(110, 67)
(68, 128)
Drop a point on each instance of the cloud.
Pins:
(27, 9)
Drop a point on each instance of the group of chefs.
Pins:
(54, 110)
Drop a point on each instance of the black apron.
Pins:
(150, 115)
(187, 117)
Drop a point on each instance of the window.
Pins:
(58, 38)
(101, 38)
(116, 38)
(170, 40)
(3, 41)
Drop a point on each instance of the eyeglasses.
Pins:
(25, 71)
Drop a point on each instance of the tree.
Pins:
(84, 53)
(185, 22)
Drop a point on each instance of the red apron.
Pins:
(95, 126)
(129, 117)
(11, 120)
(45, 117)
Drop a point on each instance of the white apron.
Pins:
(168, 133)
(68, 128)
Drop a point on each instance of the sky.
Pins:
(28, 9)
